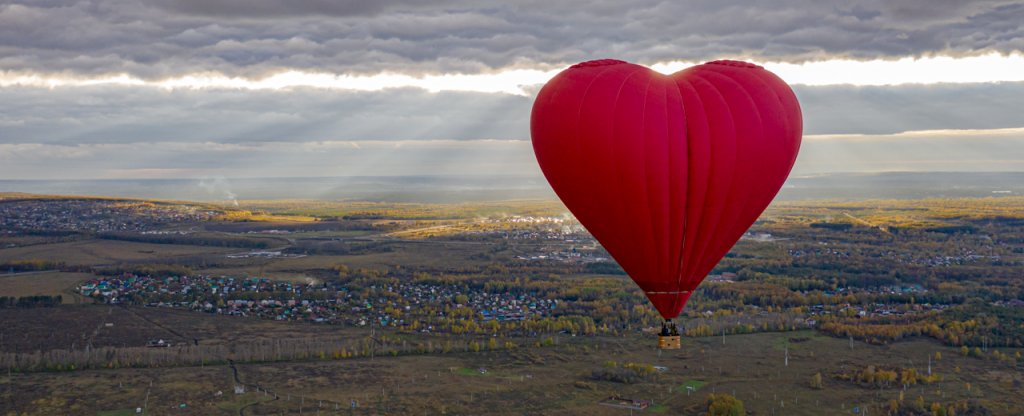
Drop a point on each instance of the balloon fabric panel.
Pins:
(667, 172)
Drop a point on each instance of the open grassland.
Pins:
(432, 254)
(542, 380)
(246, 271)
(396, 210)
(22, 196)
(237, 215)
(43, 283)
(893, 212)
(10, 241)
(899, 212)
(74, 327)
(103, 252)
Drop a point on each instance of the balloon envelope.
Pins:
(666, 171)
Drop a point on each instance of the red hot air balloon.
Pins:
(666, 171)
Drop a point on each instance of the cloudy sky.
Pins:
(278, 88)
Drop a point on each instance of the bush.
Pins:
(628, 373)
(816, 381)
(724, 405)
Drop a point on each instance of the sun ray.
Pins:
(991, 67)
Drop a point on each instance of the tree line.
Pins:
(260, 351)
(190, 239)
(26, 302)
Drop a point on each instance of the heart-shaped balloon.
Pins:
(666, 171)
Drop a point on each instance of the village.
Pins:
(425, 307)
(94, 215)
(958, 255)
(569, 254)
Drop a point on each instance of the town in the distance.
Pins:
(117, 306)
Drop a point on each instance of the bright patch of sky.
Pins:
(987, 68)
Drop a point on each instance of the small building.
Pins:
(624, 403)
(158, 343)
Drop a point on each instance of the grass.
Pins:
(96, 252)
(120, 412)
(746, 366)
(694, 384)
(268, 217)
(240, 402)
(658, 408)
(254, 271)
(782, 340)
(436, 255)
(45, 283)
(331, 233)
(466, 371)
(399, 210)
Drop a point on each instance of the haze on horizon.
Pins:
(274, 88)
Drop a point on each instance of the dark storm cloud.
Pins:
(156, 39)
(278, 8)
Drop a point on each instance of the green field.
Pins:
(692, 385)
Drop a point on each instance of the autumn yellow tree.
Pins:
(724, 405)
(816, 381)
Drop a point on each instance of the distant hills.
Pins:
(441, 189)
(904, 185)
